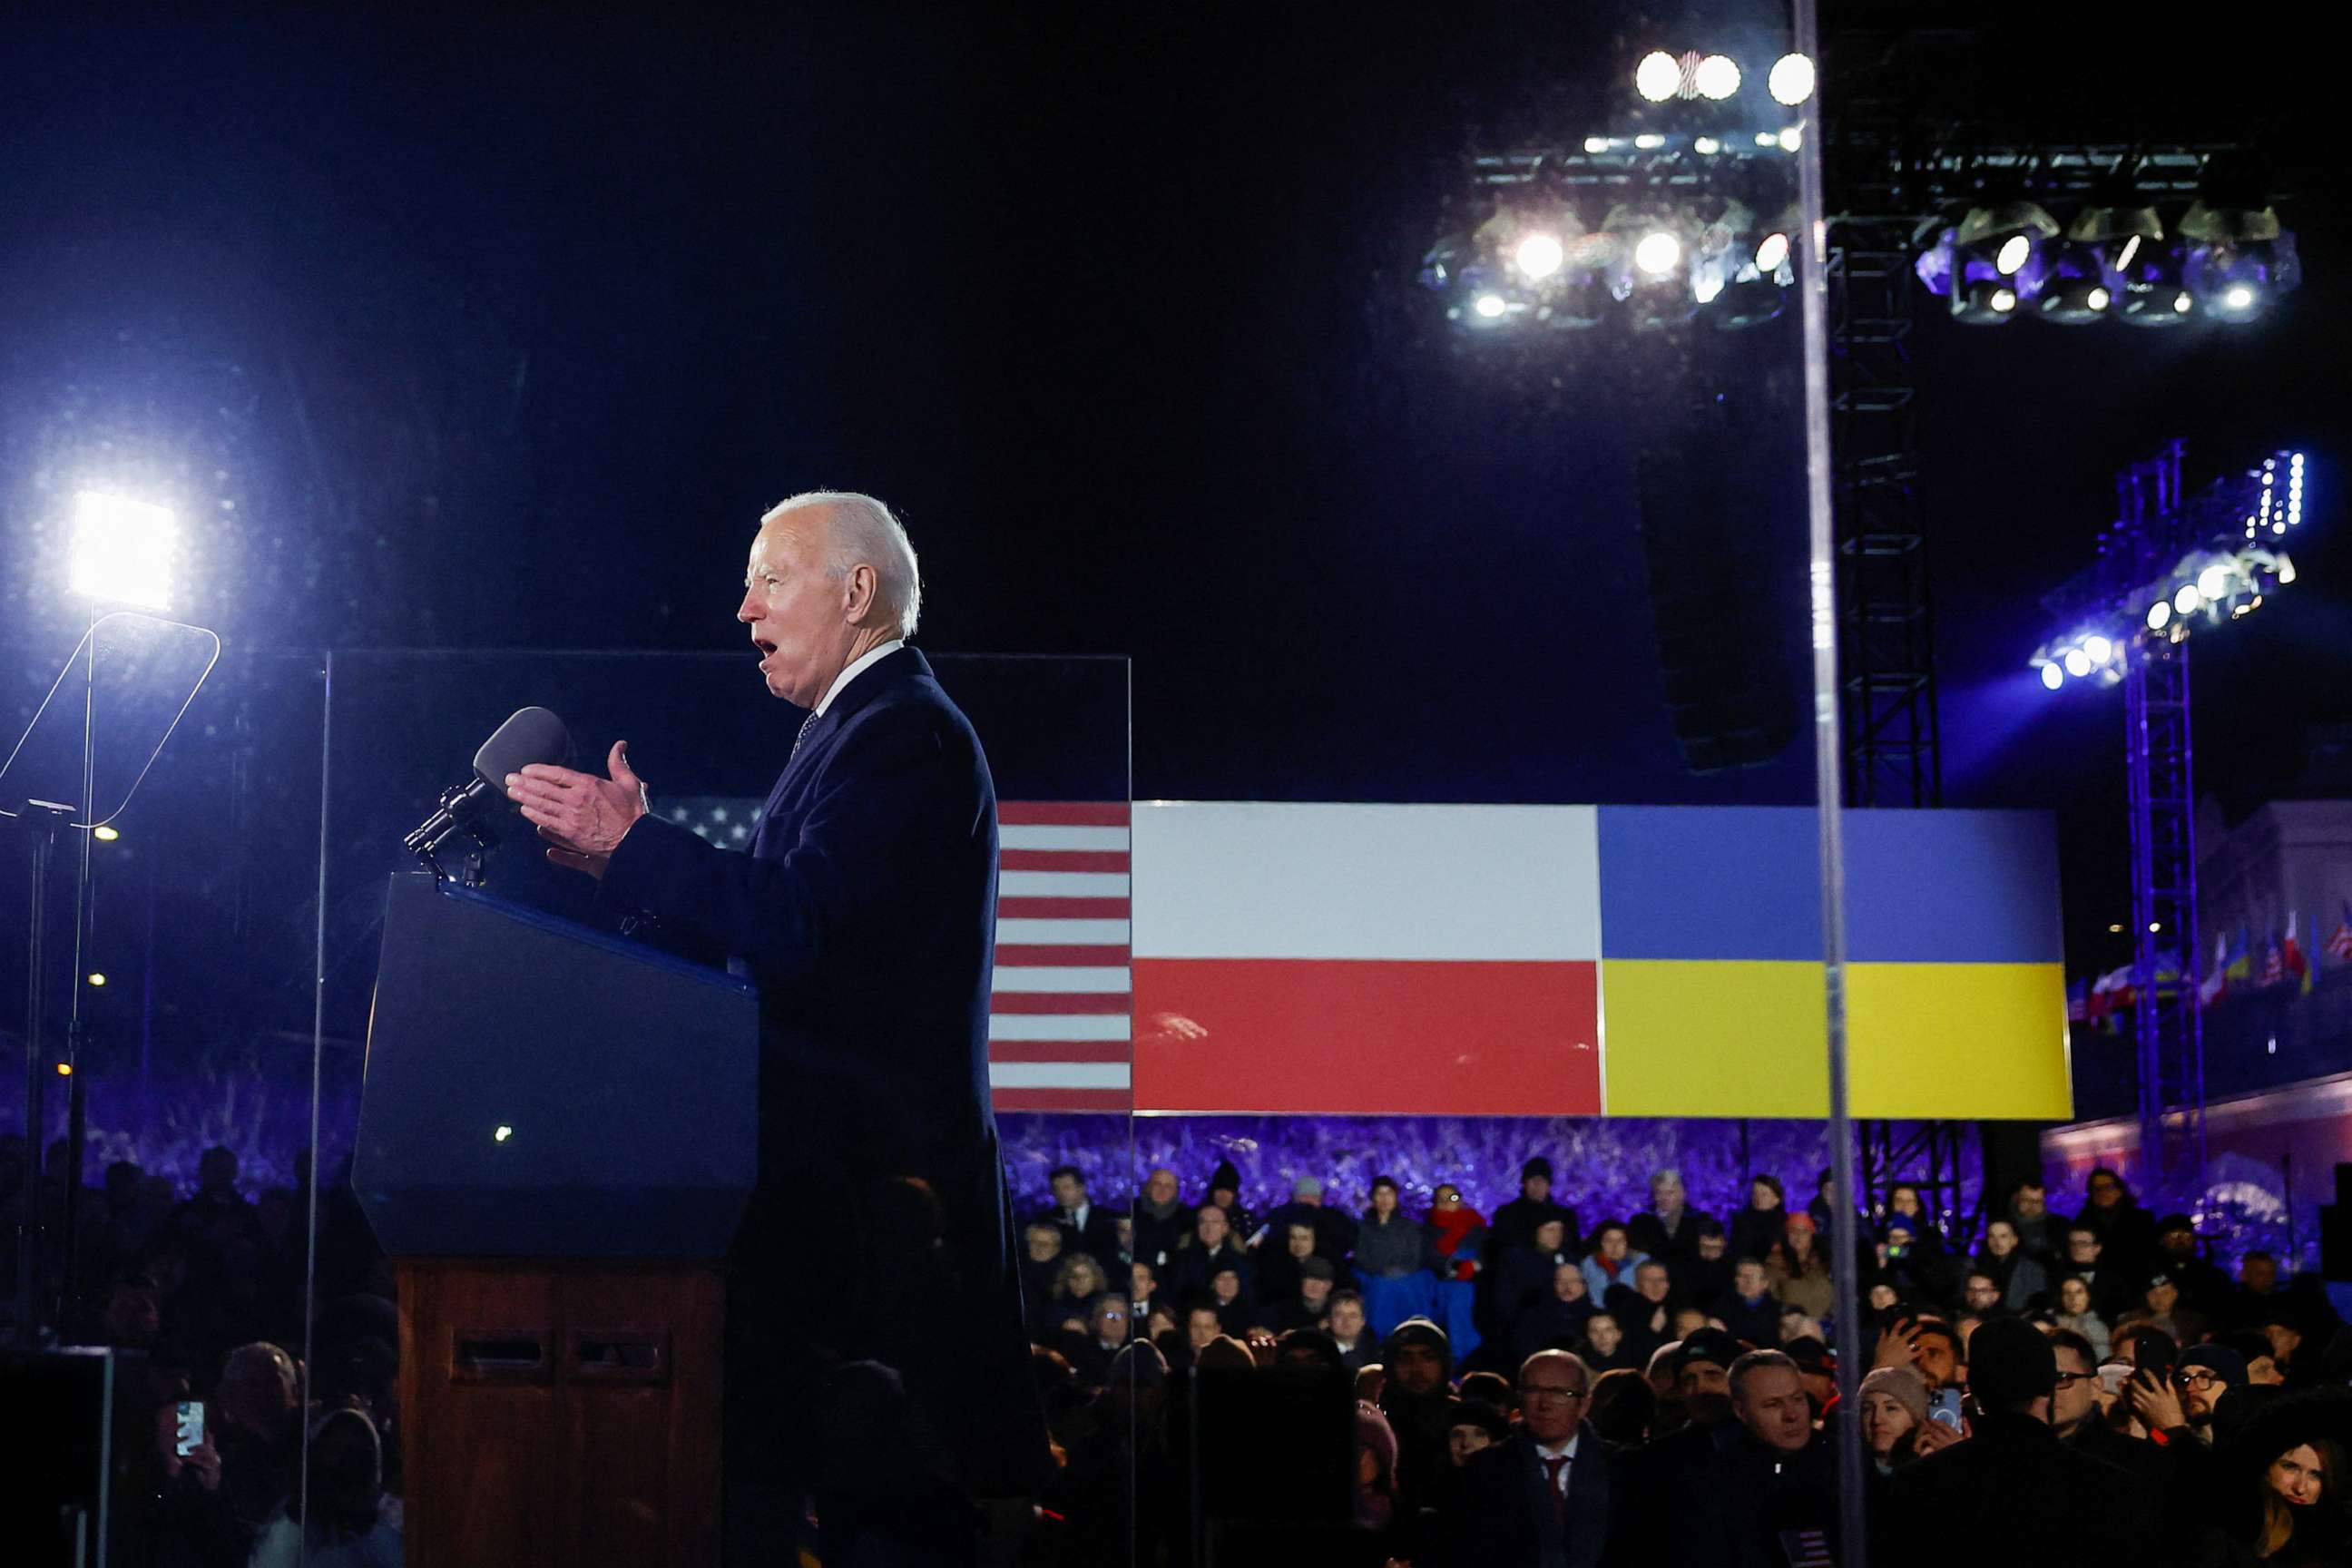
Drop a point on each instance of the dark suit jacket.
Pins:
(866, 910)
(1503, 1516)
(2014, 1494)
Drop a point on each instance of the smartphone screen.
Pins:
(1945, 1407)
(2153, 1353)
(190, 1426)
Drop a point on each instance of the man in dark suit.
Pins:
(2038, 1499)
(866, 910)
(1540, 1497)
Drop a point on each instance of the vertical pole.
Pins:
(1828, 772)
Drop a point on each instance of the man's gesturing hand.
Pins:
(582, 817)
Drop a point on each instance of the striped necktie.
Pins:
(800, 735)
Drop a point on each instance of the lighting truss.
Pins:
(2217, 557)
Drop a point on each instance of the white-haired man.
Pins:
(865, 908)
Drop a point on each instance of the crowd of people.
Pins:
(209, 1286)
(1530, 1387)
(1540, 1387)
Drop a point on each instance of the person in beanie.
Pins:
(1225, 1193)
(1894, 1407)
(2042, 1503)
(1515, 1223)
(1417, 1398)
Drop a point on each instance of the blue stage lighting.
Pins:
(2052, 676)
(2237, 259)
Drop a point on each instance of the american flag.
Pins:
(1060, 1029)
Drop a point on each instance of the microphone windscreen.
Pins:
(533, 735)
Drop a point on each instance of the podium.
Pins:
(557, 1137)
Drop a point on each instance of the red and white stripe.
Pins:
(1060, 1026)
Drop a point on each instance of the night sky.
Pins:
(500, 331)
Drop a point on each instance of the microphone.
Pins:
(531, 735)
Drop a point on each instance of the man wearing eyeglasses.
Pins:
(1540, 1499)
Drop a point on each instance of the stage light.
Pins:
(2012, 255)
(502, 1132)
(1596, 144)
(2003, 300)
(64, 1070)
(1489, 307)
(1539, 255)
(1791, 79)
(1716, 77)
(2239, 257)
(2098, 648)
(96, 979)
(1657, 252)
(2052, 676)
(2158, 614)
(1658, 76)
(2213, 582)
(1790, 139)
(2078, 663)
(2285, 571)
(123, 551)
(1706, 146)
(1772, 254)
(2187, 600)
(104, 834)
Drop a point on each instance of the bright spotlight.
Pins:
(1489, 306)
(2181, 302)
(2187, 601)
(1658, 77)
(1791, 80)
(1790, 139)
(2098, 648)
(1706, 146)
(2158, 614)
(2099, 299)
(1718, 77)
(2238, 297)
(2078, 663)
(96, 979)
(2003, 301)
(104, 834)
(2213, 582)
(1657, 252)
(2051, 676)
(1540, 255)
(2014, 250)
(123, 551)
(1771, 253)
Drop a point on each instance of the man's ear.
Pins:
(858, 592)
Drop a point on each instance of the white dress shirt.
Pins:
(857, 668)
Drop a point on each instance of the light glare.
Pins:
(2184, 602)
(2012, 255)
(2052, 676)
(2158, 613)
(1718, 77)
(1657, 254)
(1657, 77)
(2099, 648)
(1771, 253)
(123, 551)
(2213, 582)
(1540, 255)
(1791, 79)
(2078, 663)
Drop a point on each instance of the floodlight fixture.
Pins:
(1657, 252)
(123, 551)
(1658, 76)
(2053, 676)
(1791, 80)
(2159, 615)
(1539, 255)
(1716, 77)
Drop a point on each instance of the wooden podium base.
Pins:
(560, 1413)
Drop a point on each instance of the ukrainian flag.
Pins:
(1712, 993)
